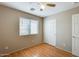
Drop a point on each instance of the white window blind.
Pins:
(28, 27)
(34, 27)
(24, 26)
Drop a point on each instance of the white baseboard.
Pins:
(1, 55)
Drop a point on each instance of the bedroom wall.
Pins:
(9, 30)
(64, 28)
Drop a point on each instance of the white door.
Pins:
(50, 31)
(75, 34)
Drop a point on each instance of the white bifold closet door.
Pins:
(50, 31)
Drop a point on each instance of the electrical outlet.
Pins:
(6, 47)
(32, 41)
(64, 44)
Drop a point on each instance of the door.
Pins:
(50, 31)
(75, 34)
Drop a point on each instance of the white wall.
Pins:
(64, 28)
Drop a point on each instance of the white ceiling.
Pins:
(25, 6)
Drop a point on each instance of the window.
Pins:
(28, 27)
(34, 27)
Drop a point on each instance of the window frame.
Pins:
(28, 26)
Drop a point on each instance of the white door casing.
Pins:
(75, 34)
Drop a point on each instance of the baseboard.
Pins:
(22, 49)
(1, 55)
(58, 48)
(62, 49)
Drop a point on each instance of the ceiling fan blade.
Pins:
(51, 5)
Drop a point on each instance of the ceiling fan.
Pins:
(44, 5)
(47, 4)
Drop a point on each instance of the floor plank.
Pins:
(41, 50)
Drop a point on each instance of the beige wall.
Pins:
(64, 28)
(9, 30)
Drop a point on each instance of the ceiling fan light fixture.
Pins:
(32, 9)
(42, 7)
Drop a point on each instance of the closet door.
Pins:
(50, 31)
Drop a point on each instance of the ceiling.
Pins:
(26, 6)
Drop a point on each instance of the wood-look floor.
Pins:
(41, 50)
